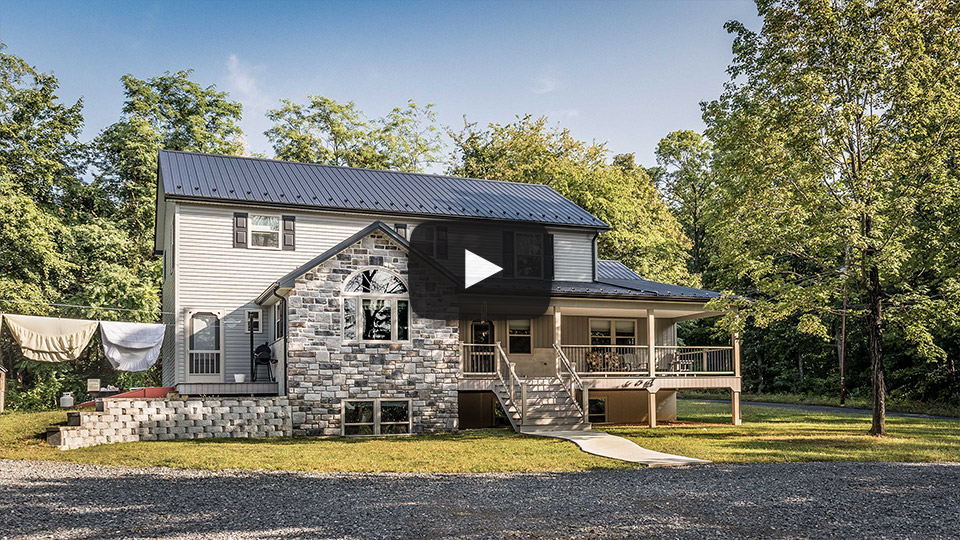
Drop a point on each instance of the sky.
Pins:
(624, 73)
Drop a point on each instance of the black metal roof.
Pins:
(197, 176)
(613, 277)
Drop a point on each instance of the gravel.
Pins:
(791, 500)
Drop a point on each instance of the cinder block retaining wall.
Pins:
(131, 419)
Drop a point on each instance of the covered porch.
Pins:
(605, 346)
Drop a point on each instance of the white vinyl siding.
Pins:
(572, 255)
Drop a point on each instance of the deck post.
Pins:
(736, 352)
(651, 343)
(522, 409)
(652, 408)
(735, 407)
(556, 332)
(586, 404)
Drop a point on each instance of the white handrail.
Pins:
(507, 373)
(563, 364)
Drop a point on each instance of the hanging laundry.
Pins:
(50, 339)
(131, 346)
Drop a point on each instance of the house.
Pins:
(299, 280)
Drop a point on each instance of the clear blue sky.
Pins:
(621, 72)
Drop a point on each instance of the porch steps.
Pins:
(548, 406)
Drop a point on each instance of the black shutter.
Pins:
(289, 233)
(442, 249)
(548, 256)
(239, 229)
(507, 262)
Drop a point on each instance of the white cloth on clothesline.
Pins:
(49, 339)
(131, 346)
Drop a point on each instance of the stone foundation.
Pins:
(131, 419)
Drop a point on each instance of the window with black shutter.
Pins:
(289, 233)
(240, 230)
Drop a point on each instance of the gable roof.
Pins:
(615, 274)
(210, 177)
(289, 280)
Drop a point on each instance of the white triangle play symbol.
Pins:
(476, 269)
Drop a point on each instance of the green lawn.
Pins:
(767, 435)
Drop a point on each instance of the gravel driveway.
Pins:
(812, 500)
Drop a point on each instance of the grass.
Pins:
(852, 402)
(767, 435)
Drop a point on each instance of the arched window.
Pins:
(376, 307)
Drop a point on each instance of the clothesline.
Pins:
(128, 346)
(85, 307)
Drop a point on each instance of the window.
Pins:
(254, 316)
(597, 410)
(204, 344)
(376, 417)
(431, 241)
(376, 307)
(519, 339)
(401, 229)
(529, 255)
(613, 332)
(279, 319)
(264, 232)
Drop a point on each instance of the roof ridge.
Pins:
(394, 171)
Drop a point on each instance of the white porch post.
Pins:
(586, 404)
(651, 343)
(557, 319)
(652, 408)
(736, 351)
(735, 407)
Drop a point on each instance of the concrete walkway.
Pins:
(610, 446)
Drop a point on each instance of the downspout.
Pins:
(596, 235)
(283, 304)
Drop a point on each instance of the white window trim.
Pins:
(516, 256)
(279, 320)
(187, 350)
(360, 297)
(250, 231)
(613, 330)
(376, 417)
(246, 319)
(509, 337)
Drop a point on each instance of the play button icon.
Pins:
(476, 269)
(480, 271)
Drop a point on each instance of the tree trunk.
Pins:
(875, 331)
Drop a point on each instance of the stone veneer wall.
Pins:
(132, 419)
(323, 370)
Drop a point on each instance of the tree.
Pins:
(325, 131)
(643, 234)
(40, 149)
(840, 130)
(685, 180)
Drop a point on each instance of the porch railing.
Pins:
(478, 359)
(671, 360)
(507, 373)
(607, 359)
(571, 382)
(611, 360)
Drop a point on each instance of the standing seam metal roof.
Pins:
(190, 175)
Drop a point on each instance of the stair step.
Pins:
(551, 421)
(578, 427)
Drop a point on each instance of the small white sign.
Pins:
(93, 385)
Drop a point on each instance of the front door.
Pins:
(483, 354)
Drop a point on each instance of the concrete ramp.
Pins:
(610, 446)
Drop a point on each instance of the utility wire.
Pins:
(86, 307)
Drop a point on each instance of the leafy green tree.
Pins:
(644, 235)
(325, 131)
(840, 130)
(684, 177)
(39, 136)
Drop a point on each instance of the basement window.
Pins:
(597, 410)
(519, 338)
(366, 417)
